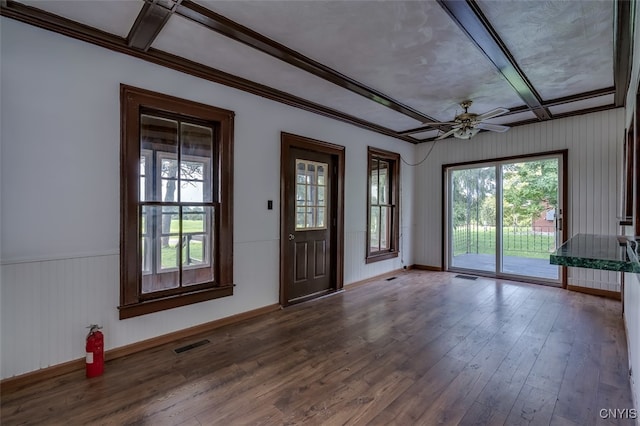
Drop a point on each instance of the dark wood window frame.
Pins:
(392, 204)
(628, 184)
(132, 302)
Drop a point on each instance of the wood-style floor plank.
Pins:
(426, 348)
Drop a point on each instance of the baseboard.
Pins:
(14, 383)
(376, 278)
(595, 291)
(426, 268)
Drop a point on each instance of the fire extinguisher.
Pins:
(95, 351)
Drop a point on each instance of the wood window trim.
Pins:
(132, 99)
(628, 186)
(394, 160)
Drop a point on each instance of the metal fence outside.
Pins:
(526, 241)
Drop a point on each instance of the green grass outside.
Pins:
(169, 254)
(521, 242)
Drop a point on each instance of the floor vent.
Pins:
(391, 278)
(466, 277)
(191, 346)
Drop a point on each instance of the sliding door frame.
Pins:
(563, 159)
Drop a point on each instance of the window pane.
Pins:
(169, 179)
(374, 227)
(193, 192)
(385, 217)
(146, 249)
(192, 170)
(311, 174)
(374, 181)
(310, 214)
(320, 218)
(159, 252)
(142, 189)
(321, 201)
(169, 238)
(197, 237)
(311, 195)
(158, 135)
(195, 166)
(321, 175)
(300, 218)
(301, 194)
(301, 172)
(383, 182)
(194, 219)
(143, 186)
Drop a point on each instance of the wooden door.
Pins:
(310, 216)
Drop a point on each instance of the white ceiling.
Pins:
(411, 51)
(220, 52)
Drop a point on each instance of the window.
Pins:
(311, 187)
(176, 215)
(382, 201)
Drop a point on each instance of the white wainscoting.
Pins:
(50, 302)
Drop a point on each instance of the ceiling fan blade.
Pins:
(493, 113)
(492, 127)
(446, 135)
(431, 123)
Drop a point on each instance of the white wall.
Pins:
(60, 142)
(632, 322)
(594, 142)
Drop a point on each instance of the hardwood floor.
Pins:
(425, 348)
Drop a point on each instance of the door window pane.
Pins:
(311, 187)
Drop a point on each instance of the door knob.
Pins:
(291, 237)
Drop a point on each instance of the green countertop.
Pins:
(597, 252)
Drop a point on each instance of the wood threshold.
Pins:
(13, 383)
(595, 292)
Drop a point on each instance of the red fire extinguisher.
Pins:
(95, 351)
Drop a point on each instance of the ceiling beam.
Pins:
(150, 21)
(471, 20)
(49, 21)
(222, 25)
(622, 60)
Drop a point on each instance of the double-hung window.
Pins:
(176, 229)
(382, 205)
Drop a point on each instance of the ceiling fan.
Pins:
(467, 124)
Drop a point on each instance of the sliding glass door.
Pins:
(504, 217)
(473, 219)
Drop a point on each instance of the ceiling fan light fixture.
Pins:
(465, 132)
